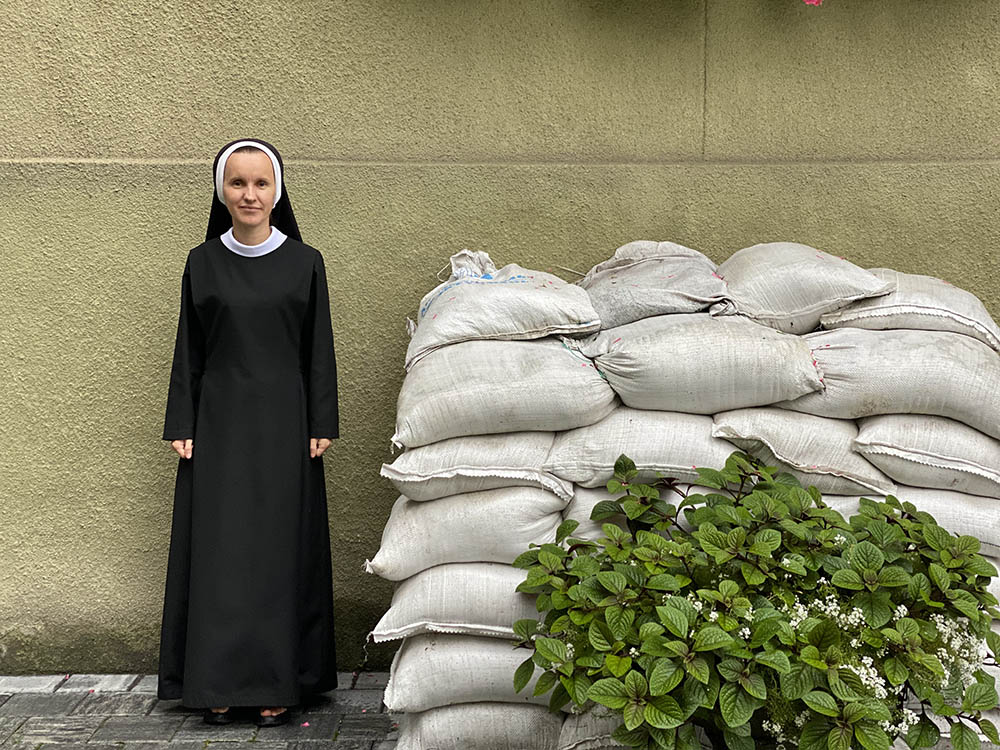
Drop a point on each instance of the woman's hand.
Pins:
(317, 446)
(184, 448)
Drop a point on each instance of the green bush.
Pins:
(773, 620)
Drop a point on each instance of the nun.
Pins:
(251, 408)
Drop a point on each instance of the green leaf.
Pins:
(963, 738)
(545, 682)
(923, 734)
(824, 634)
(619, 620)
(664, 677)
(613, 581)
(988, 728)
(699, 669)
(866, 556)
(801, 678)
(876, 606)
(752, 574)
(630, 737)
(735, 704)
(664, 713)
(895, 671)
(979, 697)
(893, 575)
(551, 649)
(597, 638)
(609, 692)
(624, 466)
(604, 510)
(776, 660)
(711, 637)
(940, 576)
(754, 684)
(765, 542)
(634, 714)
(566, 528)
(675, 620)
(636, 685)
(523, 674)
(847, 578)
(839, 738)
(871, 737)
(821, 702)
(617, 665)
(814, 734)
(935, 536)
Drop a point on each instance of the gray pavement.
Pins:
(122, 712)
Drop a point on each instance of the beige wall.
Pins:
(547, 133)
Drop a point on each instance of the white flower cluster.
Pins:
(828, 606)
(633, 652)
(900, 613)
(963, 652)
(773, 729)
(908, 719)
(569, 650)
(748, 615)
(713, 615)
(869, 676)
(840, 540)
(743, 633)
(697, 603)
(802, 718)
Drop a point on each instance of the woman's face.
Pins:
(248, 187)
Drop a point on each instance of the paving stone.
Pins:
(321, 727)
(7, 726)
(339, 744)
(58, 729)
(135, 728)
(366, 680)
(40, 704)
(195, 728)
(4, 697)
(79, 746)
(385, 745)
(172, 707)
(34, 683)
(147, 684)
(353, 701)
(112, 703)
(373, 726)
(99, 682)
(192, 745)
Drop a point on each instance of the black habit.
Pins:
(248, 606)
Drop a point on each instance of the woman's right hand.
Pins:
(184, 448)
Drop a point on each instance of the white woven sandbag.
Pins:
(479, 462)
(815, 450)
(919, 302)
(789, 286)
(927, 451)
(646, 278)
(590, 730)
(904, 372)
(955, 511)
(671, 443)
(465, 598)
(481, 302)
(430, 671)
(486, 387)
(481, 726)
(487, 526)
(701, 364)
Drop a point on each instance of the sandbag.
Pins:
(815, 450)
(955, 511)
(487, 387)
(480, 302)
(867, 373)
(789, 286)
(919, 302)
(487, 526)
(481, 726)
(470, 464)
(936, 452)
(430, 671)
(464, 598)
(701, 364)
(590, 730)
(671, 443)
(646, 278)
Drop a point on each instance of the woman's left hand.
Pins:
(317, 446)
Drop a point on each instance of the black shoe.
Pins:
(219, 717)
(273, 720)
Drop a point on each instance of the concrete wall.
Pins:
(547, 132)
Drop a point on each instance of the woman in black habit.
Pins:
(251, 407)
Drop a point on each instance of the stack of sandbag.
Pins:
(489, 384)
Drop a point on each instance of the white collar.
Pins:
(274, 239)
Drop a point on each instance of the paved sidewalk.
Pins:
(122, 712)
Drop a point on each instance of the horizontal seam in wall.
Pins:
(139, 161)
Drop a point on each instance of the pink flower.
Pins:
(813, 2)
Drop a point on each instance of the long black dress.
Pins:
(248, 606)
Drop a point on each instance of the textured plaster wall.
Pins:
(547, 133)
